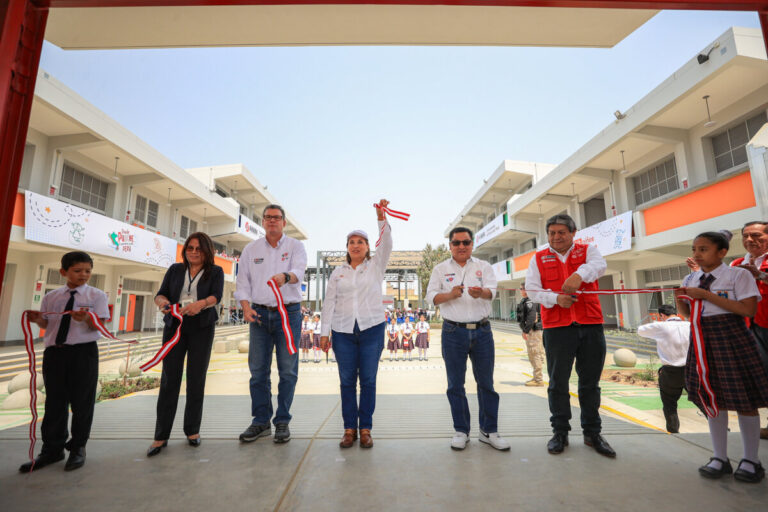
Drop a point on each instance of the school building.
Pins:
(89, 184)
(688, 157)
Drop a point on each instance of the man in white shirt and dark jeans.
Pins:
(464, 287)
(284, 260)
(673, 337)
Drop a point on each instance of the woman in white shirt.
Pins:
(354, 311)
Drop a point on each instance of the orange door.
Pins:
(130, 313)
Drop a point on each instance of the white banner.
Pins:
(247, 227)
(490, 230)
(57, 223)
(501, 270)
(611, 236)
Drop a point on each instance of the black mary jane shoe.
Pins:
(708, 471)
(747, 476)
(197, 441)
(154, 450)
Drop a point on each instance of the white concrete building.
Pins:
(89, 184)
(688, 157)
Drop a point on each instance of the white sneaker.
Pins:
(495, 440)
(459, 441)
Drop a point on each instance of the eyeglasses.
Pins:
(273, 217)
(457, 243)
(194, 248)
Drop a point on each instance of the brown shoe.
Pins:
(764, 433)
(366, 441)
(350, 434)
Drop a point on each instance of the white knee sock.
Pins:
(718, 431)
(750, 439)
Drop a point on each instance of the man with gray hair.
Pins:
(283, 260)
(573, 329)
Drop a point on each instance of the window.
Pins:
(83, 189)
(221, 192)
(146, 211)
(244, 210)
(219, 247)
(494, 259)
(730, 147)
(188, 226)
(673, 274)
(528, 246)
(657, 181)
(509, 253)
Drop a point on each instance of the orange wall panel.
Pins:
(727, 196)
(18, 211)
(226, 265)
(522, 261)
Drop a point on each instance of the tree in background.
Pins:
(429, 258)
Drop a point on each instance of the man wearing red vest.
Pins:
(573, 329)
(754, 236)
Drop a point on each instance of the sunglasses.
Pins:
(192, 248)
(457, 243)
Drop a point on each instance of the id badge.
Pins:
(186, 302)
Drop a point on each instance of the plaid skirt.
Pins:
(306, 341)
(316, 340)
(406, 344)
(422, 340)
(736, 374)
(393, 342)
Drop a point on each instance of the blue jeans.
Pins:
(458, 343)
(357, 355)
(267, 336)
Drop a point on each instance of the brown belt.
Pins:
(271, 308)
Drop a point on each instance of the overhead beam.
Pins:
(600, 174)
(557, 198)
(662, 134)
(184, 203)
(75, 141)
(142, 179)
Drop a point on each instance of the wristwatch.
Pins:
(287, 277)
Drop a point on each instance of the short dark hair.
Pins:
(273, 207)
(667, 309)
(75, 257)
(754, 222)
(522, 285)
(564, 219)
(720, 238)
(460, 229)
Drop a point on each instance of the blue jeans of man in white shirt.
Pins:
(458, 343)
(358, 353)
(266, 335)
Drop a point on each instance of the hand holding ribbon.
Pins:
(383, 208)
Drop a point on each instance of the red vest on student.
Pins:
(553, 274)
(761, 317)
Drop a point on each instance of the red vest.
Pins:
(761, 317)
(553, 274)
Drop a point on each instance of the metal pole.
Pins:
(317, 283)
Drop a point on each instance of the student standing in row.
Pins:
(407, 342)
(422, 337)
(317, 327)
(736, 374)
(393, 338)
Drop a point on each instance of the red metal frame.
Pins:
(22, 29)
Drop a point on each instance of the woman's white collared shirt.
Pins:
(355, 295)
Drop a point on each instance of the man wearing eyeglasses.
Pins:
(464, 287)
(282, 259)
(573, 329)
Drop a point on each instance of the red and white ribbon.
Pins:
(168, 345)
(394, 213)
(699, 351)
(284, 321)
(29, 345)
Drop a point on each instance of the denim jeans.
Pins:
(357, 354)
(586, 345)
(266, 336)
(458, 343)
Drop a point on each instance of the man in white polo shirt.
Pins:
(282, 259)
(463, 287)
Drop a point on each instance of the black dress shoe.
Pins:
(558, 443)
(76, 459)
(600, 445)
(154, 450)
(673, 422)
(709, 472)
(40, 462)
(747, 476)
(194, 442)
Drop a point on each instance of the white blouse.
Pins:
(422, 327)
(730, 282)
(354, 295)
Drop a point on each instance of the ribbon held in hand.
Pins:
(699, 351)
(168, 345)
(394, 213)
(284, 321)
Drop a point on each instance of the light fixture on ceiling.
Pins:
(115, 177)
(619, 116)
(205, 216)
(168, 203)
(704, 57)
(234, 190)
(623, 164)
(709, 122)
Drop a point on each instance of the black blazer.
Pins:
(207, 285)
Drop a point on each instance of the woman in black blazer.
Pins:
(197, 285)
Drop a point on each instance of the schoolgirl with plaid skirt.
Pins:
(407, 339)
(422, 338)
(305, 343)
(735, 378)
(393, 338)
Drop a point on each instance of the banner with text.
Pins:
(491, 230)
(610, 236)
(247, 227)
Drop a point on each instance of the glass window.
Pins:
(152, 212)
(184, 228)
(140, 214)
(655, 182)
(83, 189)
(729, 147)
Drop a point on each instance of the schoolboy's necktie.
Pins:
(706, 281)
(61, 336)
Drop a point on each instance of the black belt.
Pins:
(271, 308)
(468, 325)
